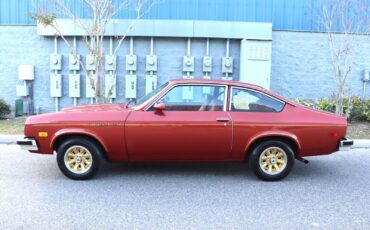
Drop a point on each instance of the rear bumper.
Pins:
(28, 143)
(345, 144)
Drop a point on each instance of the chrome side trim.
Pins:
(27, 143)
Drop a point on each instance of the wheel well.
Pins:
(287, 140)
(64, 137)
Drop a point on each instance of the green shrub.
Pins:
(305, 102)
(359, 108)
(4, 109)
(326, 104)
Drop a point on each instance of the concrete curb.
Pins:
(11, 140)
(361, 143)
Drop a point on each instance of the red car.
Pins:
(189, 120)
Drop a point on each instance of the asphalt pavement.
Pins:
(331, 192)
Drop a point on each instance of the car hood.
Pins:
(85, 113)
(95, 108)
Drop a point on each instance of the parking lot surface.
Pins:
(331, 192)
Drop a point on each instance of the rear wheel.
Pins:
(272, 160)
(79, 158)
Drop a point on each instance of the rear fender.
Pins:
(273, 134)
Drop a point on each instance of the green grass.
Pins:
(356, 130)
(12, 126)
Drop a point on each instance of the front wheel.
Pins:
(79, 158)
(272, 160)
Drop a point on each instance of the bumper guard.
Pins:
(345, 144)
(27, 143)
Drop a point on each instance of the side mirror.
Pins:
(159, 106)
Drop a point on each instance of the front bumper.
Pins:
(345, 144)
(28, 143)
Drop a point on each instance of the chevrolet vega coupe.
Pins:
(189, 120)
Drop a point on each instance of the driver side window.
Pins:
(194, 98)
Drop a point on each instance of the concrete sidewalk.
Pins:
(11, 139)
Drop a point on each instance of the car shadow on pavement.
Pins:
(315, 169)
(171, 169)
(319, 168)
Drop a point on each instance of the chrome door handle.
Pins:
(223, 119)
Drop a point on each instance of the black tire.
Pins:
(93, 154)
(256, 161)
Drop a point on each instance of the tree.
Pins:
(100, 12)
(343, 21)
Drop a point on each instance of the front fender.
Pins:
(71, 131)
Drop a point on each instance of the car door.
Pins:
(194, 126)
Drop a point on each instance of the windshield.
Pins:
(143, 99)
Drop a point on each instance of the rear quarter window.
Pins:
(247, 100)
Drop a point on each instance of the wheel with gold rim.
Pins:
(78, 158)
(272, 160)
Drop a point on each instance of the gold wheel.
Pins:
(273, 160)
(78, 159)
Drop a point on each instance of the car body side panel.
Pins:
(313, 132)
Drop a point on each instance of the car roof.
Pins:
(216, 81)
